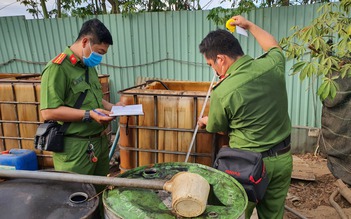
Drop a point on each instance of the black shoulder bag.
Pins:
(50, 134)
(245, 166)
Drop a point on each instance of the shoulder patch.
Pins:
(73, 59)
(59, 59)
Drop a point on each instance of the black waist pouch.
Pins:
(245, 166)
(49, 137)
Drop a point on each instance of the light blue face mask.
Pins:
(94, 58)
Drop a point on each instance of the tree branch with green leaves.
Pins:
(323, 48)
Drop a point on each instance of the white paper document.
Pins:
(241, 31)
(129, 110)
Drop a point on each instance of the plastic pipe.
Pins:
(80, 178)
(188, 189)
(113, 147)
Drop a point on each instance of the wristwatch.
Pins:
(86, 117)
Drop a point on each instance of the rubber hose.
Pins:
(336, 206)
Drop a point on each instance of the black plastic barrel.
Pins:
(42, 199)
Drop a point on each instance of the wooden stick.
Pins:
(201, 114)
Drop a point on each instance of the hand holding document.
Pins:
(239, 30)
(128, 110)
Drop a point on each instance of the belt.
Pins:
(279, 149)
(84, 137)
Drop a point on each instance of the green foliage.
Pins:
(323, 48)
(82, 8)
(32, 7)
(220, 15)
(327, 89)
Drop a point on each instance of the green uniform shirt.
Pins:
(61, 85)
(251, 103)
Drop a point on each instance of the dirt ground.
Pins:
(311, 198)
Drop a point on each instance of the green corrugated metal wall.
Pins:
(160, 45)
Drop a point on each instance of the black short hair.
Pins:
(220, 42)
(97, 30)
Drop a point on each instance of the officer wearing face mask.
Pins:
(63, 80)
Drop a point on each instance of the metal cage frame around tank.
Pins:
(132, 91)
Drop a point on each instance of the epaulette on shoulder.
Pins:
(266, 53)
(262, 56)
(59, 59)
(222, 78)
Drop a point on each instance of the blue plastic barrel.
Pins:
(18, 159)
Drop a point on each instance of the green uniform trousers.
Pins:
(76, 159)
(279, 169)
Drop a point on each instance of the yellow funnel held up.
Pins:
(229, 26)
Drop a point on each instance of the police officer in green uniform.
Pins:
(250, 104)
(63, 80)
